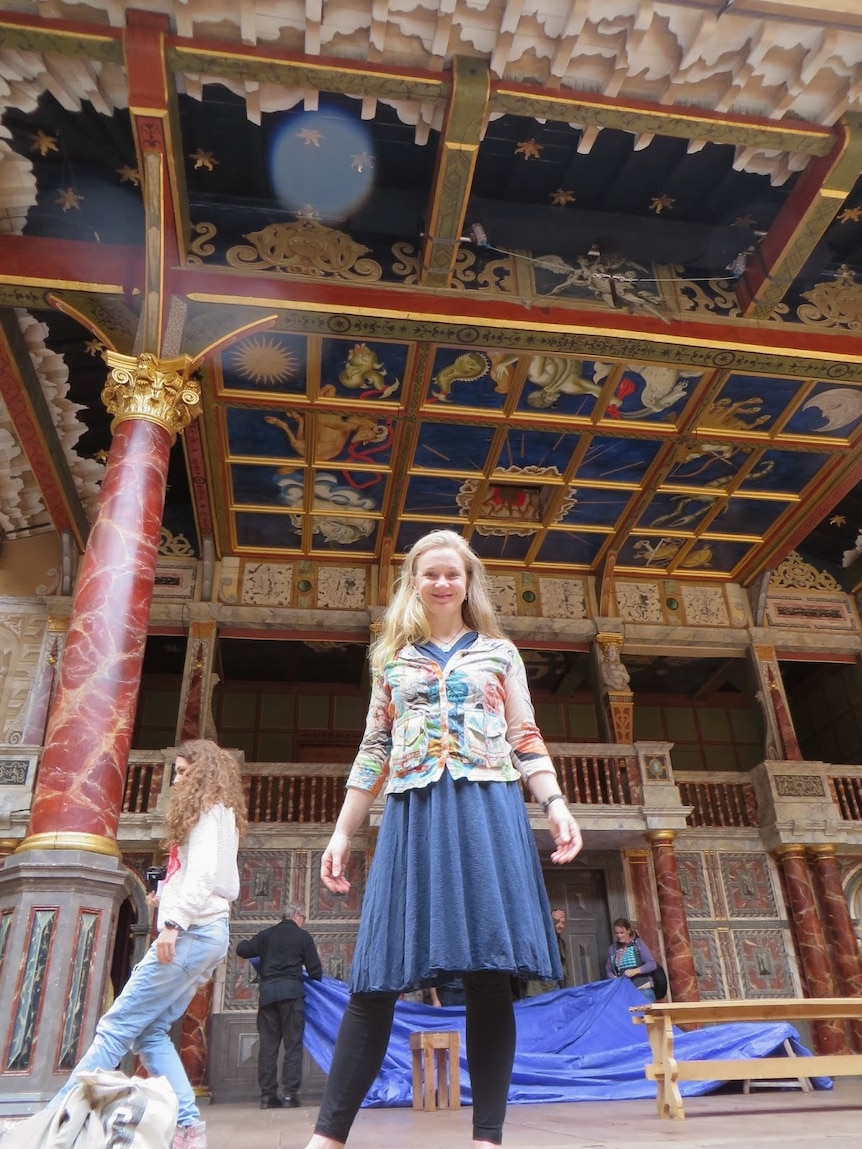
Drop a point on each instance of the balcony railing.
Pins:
(596, 779)
(718, 802)
(847, 794)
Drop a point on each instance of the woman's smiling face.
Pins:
(441, 581)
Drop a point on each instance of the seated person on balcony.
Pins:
(455, 888)
(629, 957)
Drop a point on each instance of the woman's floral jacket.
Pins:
(474, 718)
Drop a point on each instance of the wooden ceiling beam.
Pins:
(817, 197)
(158, 144)
(453, 174)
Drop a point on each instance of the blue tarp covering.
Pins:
(573, 1045)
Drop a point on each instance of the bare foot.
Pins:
(318, 1142)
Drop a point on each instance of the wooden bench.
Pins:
(667, 1072)
(428, 1047)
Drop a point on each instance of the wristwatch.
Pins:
(169, 925)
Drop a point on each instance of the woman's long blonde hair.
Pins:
(405, 620)
(212, 777)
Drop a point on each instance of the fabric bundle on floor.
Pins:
(573, 1045)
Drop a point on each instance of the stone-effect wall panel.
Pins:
(708, 965)
(692, 879)
(764, 963)
(264, 883)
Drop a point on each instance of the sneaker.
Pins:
(292, 1101)
(196, 1136)
(190, 1136)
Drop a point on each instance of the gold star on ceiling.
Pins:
(43, 143)
(203, 159)
(69, 198)
(94, 347)
(660, 202)
(851, 214)
(310, 137)
(361, 161)
(129, 175)
(101, 456)
(308, 211)
(837, 521)
(744, 221)
(561, 197)
(529, 149)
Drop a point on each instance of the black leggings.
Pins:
(364, 1036)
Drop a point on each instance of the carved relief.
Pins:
(708, 965)
(695, 890)
(799, 786)
(267, 584)
(342, 588)
(20, 648)
(503, 594)
(810, 613)
(639, 602)
(563, 598)
(748, 886)
(263, 883)
(763, 962)
(704, 606)
(834, 304)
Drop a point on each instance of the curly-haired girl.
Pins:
(204, 819)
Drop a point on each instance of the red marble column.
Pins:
(681, 973)
(828, 1036)
(838, 925)
(44, 683)
(89, 732)
(640, 872)
(80, 787)
(194, 1038)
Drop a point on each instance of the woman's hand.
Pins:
(631, 972)
(166, 946)
(334, 863)
(566, 833)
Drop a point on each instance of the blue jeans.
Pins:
(153, 998)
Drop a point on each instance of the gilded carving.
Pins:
(835, 304)
(305, 247)
(796, 574)
(146, 387)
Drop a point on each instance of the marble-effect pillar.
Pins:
(838, 925)
(828, 1036)
(639, 865)
(681, 973)
(83, 768)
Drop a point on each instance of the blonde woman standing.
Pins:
(456, 888)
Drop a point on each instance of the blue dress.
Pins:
(456, 885)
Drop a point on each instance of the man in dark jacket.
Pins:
(282, 951)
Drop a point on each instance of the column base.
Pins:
(58, 916)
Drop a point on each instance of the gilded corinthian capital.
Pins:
(146, 387)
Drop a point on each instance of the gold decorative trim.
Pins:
(146, 387)
(796, 574)
(90, 843)
(661, 837)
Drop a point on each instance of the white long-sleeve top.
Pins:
(207, 880)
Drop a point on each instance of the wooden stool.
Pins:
(428, 1047)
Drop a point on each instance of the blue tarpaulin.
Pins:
(573, 1045)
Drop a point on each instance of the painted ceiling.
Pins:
(602, 318)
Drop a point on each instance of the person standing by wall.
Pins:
(283, 950)
(629, 957)
(535, 987)
(203, 823)
(455, 888)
